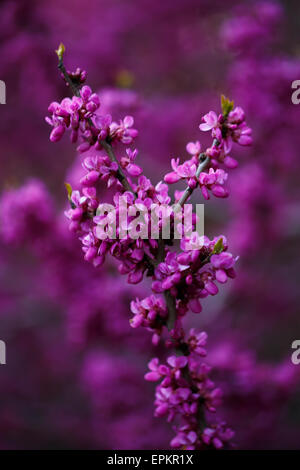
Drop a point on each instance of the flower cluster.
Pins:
(79, 115)
(181, 275)
(151, 313)
(184, 391)
(73, 113)
(191, 274)
(215, 437)
(213, 180)
(228, 127)
(78, 77)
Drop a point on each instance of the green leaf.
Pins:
(226, 105)
(219, 247)
(69, 190)
(60, 51)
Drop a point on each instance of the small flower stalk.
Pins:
(182, 273)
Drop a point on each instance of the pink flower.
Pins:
(185, 171)
(223, 265)
(242, 135)
(149, 313)
(123, 131)
(185, 438)
(193, 148)
(217, 435)
(210, 121)
(236, 116)
(128, 163)
(70, 113)
(177, 362)
(102, 123)
(197, 342)
(158, 371)
(213, 181)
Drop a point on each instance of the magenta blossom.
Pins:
(210, 121)
(128, 163)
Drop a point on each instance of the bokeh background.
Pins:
(74, 373)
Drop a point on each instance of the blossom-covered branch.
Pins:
(181, 275)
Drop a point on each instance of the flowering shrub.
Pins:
(66, 323)
(182, 275)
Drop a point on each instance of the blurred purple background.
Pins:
(74, 372)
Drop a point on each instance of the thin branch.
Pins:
(204, 160)
(170, 301)
(120, 175)
(171, 305)
(75, 89)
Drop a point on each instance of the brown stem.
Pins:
(62, 68)
(171, 306)
(170, 301)
(120, 175)
(204, 160)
